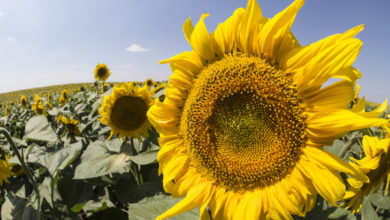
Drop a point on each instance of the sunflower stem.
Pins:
(15, 149)
(347, 147)
(136, 168)
(30, 176)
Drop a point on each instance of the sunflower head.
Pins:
(6, 111)
(71, 124)
(61, 100)
(23, 101)
(5, 170)
(102, 72)
(38, 106)
(148, 83)
(49, 105)
(65, 94)
(246, 113)
(375, 164)
(125, 111)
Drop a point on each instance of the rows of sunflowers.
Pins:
(243, 129)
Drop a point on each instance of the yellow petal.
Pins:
(349, 73)
(174, 168)
(328, 183)
(188, 29)
(325, 64)
(331, 161)
(197, 196)
(175, 96)
(325, 126)
(250, 21)
(164, 118)
(188, 60)
(376, 112)
(181, 78)
(275, 31)
(169, 144)
(360, 106)
(297, 58)
(277, 210)
(226, 32)
(202, 43)
(337, 95)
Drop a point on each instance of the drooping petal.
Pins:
(327, 182)
(189, 60)
(197, 196)
(331, 161)
(188, 29)
(325, 126)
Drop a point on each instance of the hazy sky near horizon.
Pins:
(49, 42)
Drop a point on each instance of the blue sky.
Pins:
(48, 42)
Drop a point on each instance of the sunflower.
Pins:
(38, 106)
(65, 94)
(23, 101)
(71, 125)
(375, 164)
(6, 111)
(245, 118)
(125, 111)
(5, 170)
(149, 82)
(102, 72)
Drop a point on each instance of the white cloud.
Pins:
(1, 13)
(11, 39)
(136, 48)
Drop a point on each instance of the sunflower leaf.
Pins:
(99, 159)
(15, 207)
(38, 128)
(151, 207)
(60, 159)
(145, 157)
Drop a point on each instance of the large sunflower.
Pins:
(125, 111)
(376, 165)
(245, 117)
(102, 72)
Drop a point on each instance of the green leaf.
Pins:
(367, 211)
(150, 208)
(60, 159)
(99, 204)
(15, 207)
(335, 149)
(74, 193)
(380, 201)
(101, 158)
(145, 157)
(38, 128)
(45, 191)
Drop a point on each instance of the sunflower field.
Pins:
(246, 127)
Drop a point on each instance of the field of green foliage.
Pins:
(65, 171)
